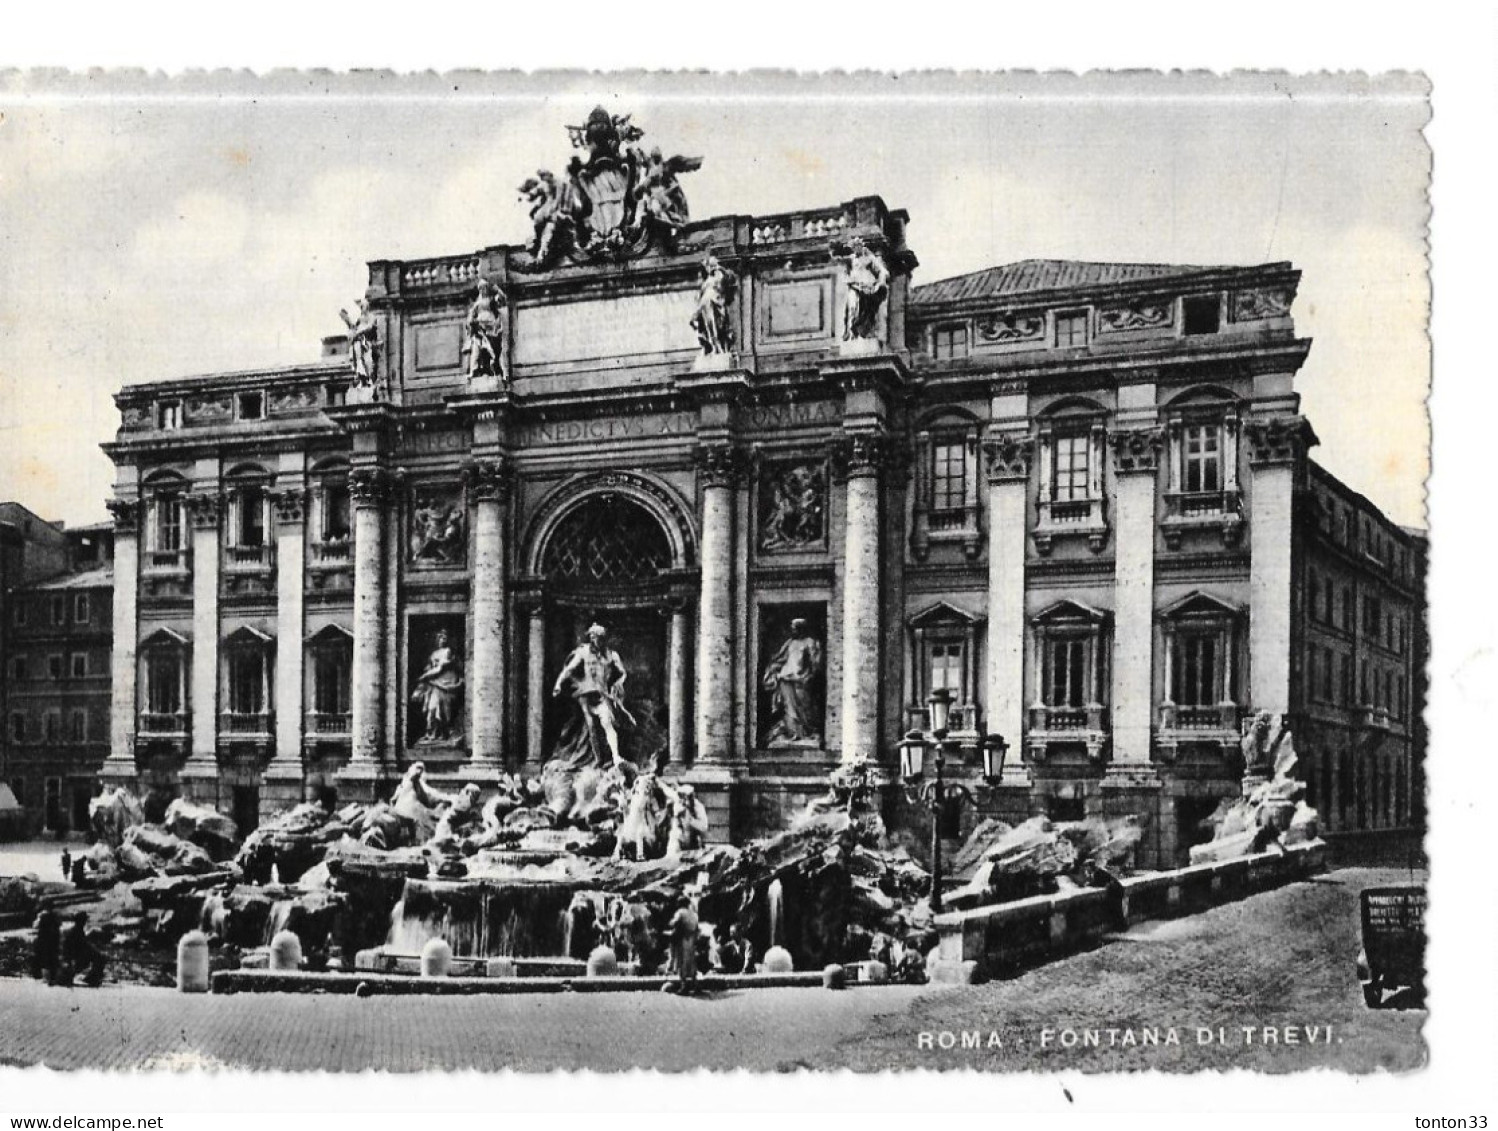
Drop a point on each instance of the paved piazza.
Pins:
(1289, 951)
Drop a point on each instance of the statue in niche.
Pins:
(485, 333)
(792, 515)
(867, 280)
(789, 677)
(363, 353)
(439, 691)
(710, 320)
(596, 676)
(437, 531)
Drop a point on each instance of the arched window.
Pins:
(1070, 499)
(946, 486)
(1203, 493)
(249, 518)
(607, 538)
(166, 538)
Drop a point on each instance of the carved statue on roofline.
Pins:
(617, 203)
(866, 277)
(363, 352)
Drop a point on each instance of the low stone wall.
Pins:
(991, 941)
(306, 982)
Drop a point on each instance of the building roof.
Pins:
(1030, 275)
(101, 578)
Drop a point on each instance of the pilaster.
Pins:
(290, 510)
(369, 491)
(1136, 465)
(1007, 456)
(119, 768)
(720, 471)
(859, 459)
(203, 511)
(490, 481)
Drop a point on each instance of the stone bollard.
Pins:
(286, 952)
(500, 968)
(192, 963)
(834, 977)
(777, 961)
(873, 972)
(436, 959)
(603, 962)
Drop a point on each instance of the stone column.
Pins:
(1136, 462)
(860, 459)
(119, 768)
(535, 682)
(489, 481)
(291, 525)
(1276, 447)
(203, 511)
(676, 681)
(1007, 457)
(719, 469)
(369, 491)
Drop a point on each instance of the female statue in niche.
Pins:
(439, 691)
(789, 677)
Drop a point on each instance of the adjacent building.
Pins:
(801, 494)
(56, 626)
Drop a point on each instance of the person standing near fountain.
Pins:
(597, 677)
(685, 927)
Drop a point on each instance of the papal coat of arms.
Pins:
(618, 202)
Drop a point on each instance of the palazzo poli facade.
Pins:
(797, 490)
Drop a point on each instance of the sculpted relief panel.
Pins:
(792, 506)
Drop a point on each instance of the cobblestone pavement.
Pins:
(1288, 954)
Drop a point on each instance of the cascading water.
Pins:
(482, 919)
(275, 923)
(775, 897)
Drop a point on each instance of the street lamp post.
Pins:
(936, 793)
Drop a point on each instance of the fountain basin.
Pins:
(305, 982)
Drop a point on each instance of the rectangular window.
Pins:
(330, 691)
(948, 342)
(169, 415)
(944, 668)
(54, 667)
(52, 725)
(1315, 588)
(1071, 328)
(1328, 661)
(1372, 616)
(249, 528)
(1201, 458)
(1066, 672)
(18, 614)
(335, 513)
(1197, 669)
(1347, 681)
(1200, 314)
(79, 663)
(1073, 467)
(1329, 602)
(337, 395)
(949, 475)
(17, 731)
(78, 726)
(164, 682)
(80, 608)
(168, 527)
(18, 673)
(246, 682)
(1349, 609)
(59, 610)
(251, 406)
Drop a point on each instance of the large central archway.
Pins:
(614, 551)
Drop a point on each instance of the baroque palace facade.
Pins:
(799, 493)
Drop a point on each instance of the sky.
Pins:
(154, 228)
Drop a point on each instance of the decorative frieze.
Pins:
(489, 479)
(1278, 440)
(1145, 314)
(298, 399)
(1010, 326)
(1007, 456)
(203, 511)
(1136, 449)
(719, 464)
(1261, 303)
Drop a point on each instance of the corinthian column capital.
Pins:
(1007, 456)
(720, 464)
(490, 479)
(1136, 449)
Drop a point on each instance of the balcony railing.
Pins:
(331, 723)
(951, 519)
(1375, 718)
(164, 722)
(249, 558)
(166, 561)
(1213, 717)
(1060, 719)
(1060, 518)
(331, 553)
(1203, 510)
(247, 722)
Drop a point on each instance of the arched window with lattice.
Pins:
(608, 538)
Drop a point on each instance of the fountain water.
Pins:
(482, 919)
(275, 923)
(775, 897)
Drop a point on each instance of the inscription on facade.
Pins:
(640, 427)
(774, 416)
(433, 443)
(608, 328)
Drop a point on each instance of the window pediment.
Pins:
(1070, 612)
(943, 613)
(165, 638)
(247, 636)
(1201, 605)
